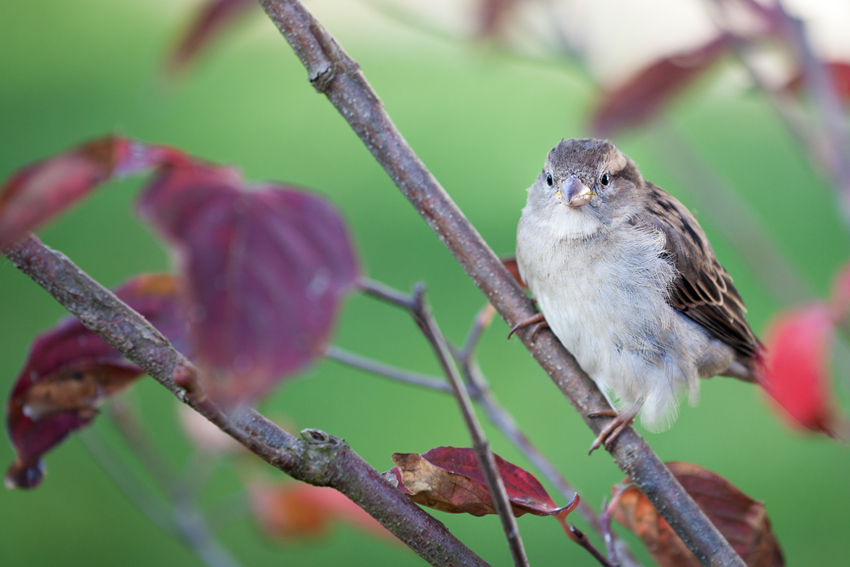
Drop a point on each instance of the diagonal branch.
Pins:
(333, 73)
(316, 458)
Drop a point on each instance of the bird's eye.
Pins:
(605, 180)
(549, 179)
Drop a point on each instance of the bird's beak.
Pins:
(574, 193)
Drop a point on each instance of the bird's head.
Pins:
(587, 185)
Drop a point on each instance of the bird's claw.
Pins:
(539, 322)
(613, 430)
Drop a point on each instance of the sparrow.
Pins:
(627, 280)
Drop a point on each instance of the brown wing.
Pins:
(703, 291)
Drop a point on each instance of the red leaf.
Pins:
(44, 189)
(740, 519)
(296, 510)
(68, 373)
(643, 96)
(839, 71)
(450, 479)
(211, 20)
(265, 270)
(796, 371)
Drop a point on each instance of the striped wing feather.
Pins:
(703, 291)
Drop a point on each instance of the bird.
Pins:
(626, 279)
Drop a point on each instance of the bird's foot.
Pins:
(613, 430)
(539, 322)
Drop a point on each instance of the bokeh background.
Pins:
(482, 120)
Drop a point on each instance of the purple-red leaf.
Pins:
(211, 20)
(44, 189)
(643, 96)
(70, 370)
(450, 479)
(265, 270)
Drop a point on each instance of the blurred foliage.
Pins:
(483, 124)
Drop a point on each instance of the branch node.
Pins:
(321, 78)
(186, 378)
(318, 437)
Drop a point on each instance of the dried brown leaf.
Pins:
(742, 520)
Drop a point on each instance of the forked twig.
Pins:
(480, 391)
(421, 313)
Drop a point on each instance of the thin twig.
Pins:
(735, 219)
(581, 539)
(181, 521)
(333, 73)
(480, 391)
(783, 104)
(182, 493)
(384, 292)
(152, 507)
(501, 418)
(821, 90)
(315, 457)
(363, 363)
(610, 543)
(421, 313)
(138, 441)
(231, 509)
(828, 145)
(482, 320)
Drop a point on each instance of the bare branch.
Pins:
(141, 445)
(479, 325)
(738, 221)
(827, 144)
(316, 458)
(582, 540)
(182, 520)
(363, 363)
(502, 419)
(332, 72)
(605, 520)
(820, 88)
(384, 292)
(480, 391)
(421, 313)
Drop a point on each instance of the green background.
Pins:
(71, 71)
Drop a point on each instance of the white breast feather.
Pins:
(601, 296)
